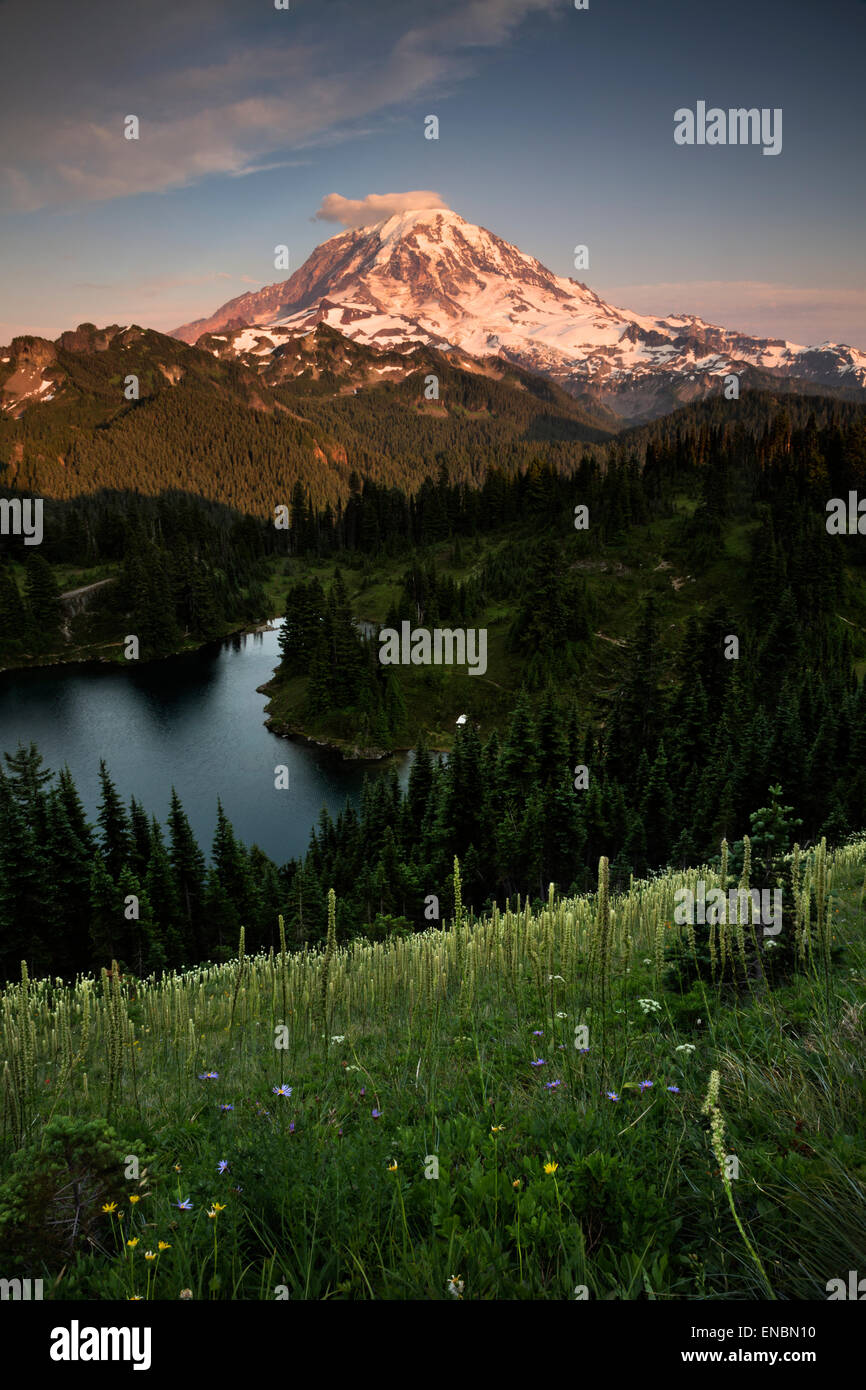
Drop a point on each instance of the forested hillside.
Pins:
(172, 570)
(216, 429)
(614, 718)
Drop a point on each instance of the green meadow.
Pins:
(589, 1100)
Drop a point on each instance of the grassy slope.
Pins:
(635, 1207)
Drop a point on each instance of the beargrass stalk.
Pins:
(330, 949)
(11, 1106)
(284, 977)
(823, 924)
(659, 949)
(798, 893)
(602, 929)
(710, 1108)
(131, 1028)
(745, 878)
(238, 977)
(458, 920)
(110, 1028)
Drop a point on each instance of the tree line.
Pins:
(186, 569)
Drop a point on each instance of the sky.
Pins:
(556, 128)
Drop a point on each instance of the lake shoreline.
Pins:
(52, 661)
(341, 748)
(346, 753)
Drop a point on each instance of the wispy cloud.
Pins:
(262, 96)
(268, 167)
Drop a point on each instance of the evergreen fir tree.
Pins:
(43, 602)
(115, 842)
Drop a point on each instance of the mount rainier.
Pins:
(428, 277)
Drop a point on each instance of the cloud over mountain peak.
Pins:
(376, 207)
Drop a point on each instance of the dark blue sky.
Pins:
(556, 127)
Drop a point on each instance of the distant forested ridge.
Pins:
(217, 429)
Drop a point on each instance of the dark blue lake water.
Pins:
(193, 721)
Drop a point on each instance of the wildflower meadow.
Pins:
(587, 1100)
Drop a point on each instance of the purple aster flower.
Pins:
(226, 1107)
(552, 1085)
(539, 1033)
(208, 1076)
(539, 1062)
(292, 1127)
(645, 1085)
(185, 1205)
(363, 1091)
(675, 1089)
(375, 1113)
(611, 1095)
(222, 1165)
(282, 1090)
(583, 1049)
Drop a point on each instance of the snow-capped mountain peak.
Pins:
(427, 276)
